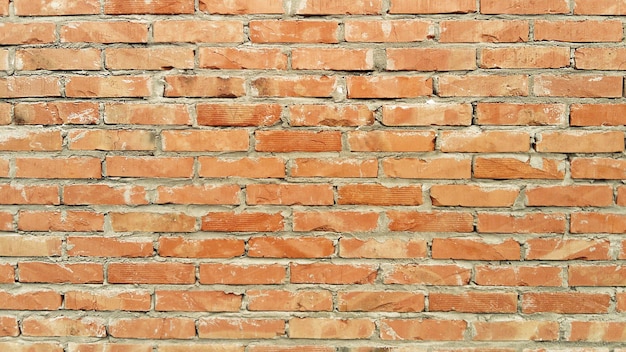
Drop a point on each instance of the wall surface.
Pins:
(312, 175)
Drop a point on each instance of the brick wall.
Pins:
(312, 175)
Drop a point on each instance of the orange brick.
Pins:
(475, 249)
(335, 221)
(29, 86)
(111, 140)
(241, 167)
(144, 114)
(521, 223)
(525, 57)
(483, 86)
(121, 166)
(597, 114)
(473, 196)
(518, 276)
(380, 301)
(198, 31)
(326, 59)
(238, 114)
(157, 7)
(597, 331)
(161, 58)
(439, 168)
(518, 168)
(332, 274)
(598, 168)
(596, 275)
(56, 113)
(242, 58)
(427, 114)
(473, 302)
(293, 141)
(581, 142)
(418, 274)
(31, 347)
(567, 249)
(516, 331)
(478, 141)
(76, 273)
(328, 328)
(205, 141)
(565, 302)
(58, 59)
(376, 194)
(430, 221)
(6, 109)
(242, 222)
(108, 87)
(241, 7)
(200, 194)
(600, 58)
(332, 7)
(587, 31)
(151, 273)
(196, 301)
(153, 328)
(234, 274)
(334, 167)
(490, 31)
(301, 247)
(67, 220)
(432, 7)
(134, 301)
(200, 248)
(108, 247)
(240, 328)
(524, 7)
(294, 86)
(570, 196)
(422, 329)
(30, 246)
(12, 139)
(288, 31)
(108, 347)
(582, 86)
(204, 86)
(391, 141)
(8, 326)
(200, 347)
(388, 87)
(31, 300)
(25, 194)
(104, 32)
(6, 221)
(597, 223)
(512, 114)
(299, 301)
(63, 326)
(621, 195)
(152, 222)
(80, 194)
(600, 7)
(289, 194)
(387, 31)
(7, 274)
(430, 59)
(27, 33)
(382, 248)
(52, 8)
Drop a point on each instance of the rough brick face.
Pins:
(312, 175)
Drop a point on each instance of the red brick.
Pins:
(101, 194)
(473, 302)
(490, 31)
(521, 223)
(518, 276)
(597, 331)
(217, 31)
(12, 139)
(7, 274)
(301, 247)
(600, 58)
(242, 222)
(475, 249)
(621, 196)
(151, 273)
(235, 274)
(597, 223)
(430, 59)
(108, 347)
(527, 330)
(134, 301)
(387, 31)
(162, 58)
(152, 222)
(518, 168)
(26, 194)
(596, 275)
(153, 328)
(388, 87)
(8, 326)
(380, 301)
(431, 168)
(477, 141)
(108, 247)
(294, 86)
(54, 8)
(157, 7)
(422, 329)
(30, 246)
(146, 114)
(432, 7)
(600, 7)
(326, 59)
(418, 274)
(199, 347)
(376, 194)
(430, 221)
(204, 86)
(67, 220)
(242, 58)
(524, 7)
(76, 273)
(328, 328)
(473, 195)
(530, 57)
(27, 33)
(565, 302)
(325, 115)
(332, 274)
(31, 347)
(238, 114)
(332, 167)
(108, 87)
(6, 221)
(200, 248)
(289, 31)
(598, 168)
(196, 301)
(587, 31)
(111, 140)
(292, 141)
(205, 141)
(58, 59)
(597, 114)
(391, 141)
(483, 86)
(299, 301)
(335, 221)
(427, 114)
(29, 86)
(289, 194)
(583, 86)
(570, 196)
(240, 7)
(104, 32)
(242, 167)
(240, 328)
(331, 7)
(382, 248)
(63, 326)
(198, 194)
(152, 167)
(31, 300)
(6, 109)
(512, 114)
(567, 249)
